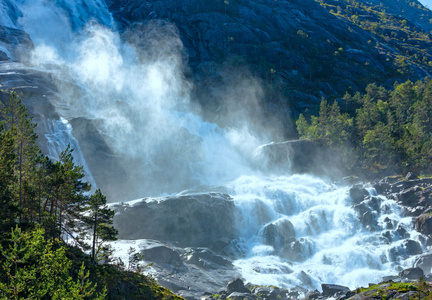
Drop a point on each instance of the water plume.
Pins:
(133, 87)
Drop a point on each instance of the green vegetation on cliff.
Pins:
(408, 36)
(381, 130)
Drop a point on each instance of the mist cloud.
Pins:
(134, 89)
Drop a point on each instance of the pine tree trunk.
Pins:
(94, 239)
(20, 181)
(40, 204)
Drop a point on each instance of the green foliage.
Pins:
(135, 259)
(97, 220)
(9, 208)
(330, 127)
(390, 130)
(50, 201)
(403, 35)
(130, 285)
(17, 119)
(34, 268)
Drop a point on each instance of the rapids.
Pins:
(328, 242)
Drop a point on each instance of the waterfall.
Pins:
(59, 137)
(135, 94)
(292, 229)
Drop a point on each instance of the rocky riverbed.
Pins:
(200, 248)
(400, 287)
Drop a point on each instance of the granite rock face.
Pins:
(197, 220)
(288, 44)
(299, 156)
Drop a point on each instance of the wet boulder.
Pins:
(382, 187)
(411, 273)
(425, 263)
(332, 289)
(411, 176)
(369, 220)
(240, 296)
(206, 259)
(195, 220)
(298, 250)
(270, 292)
(161, 254)
(279, 233)
(358, 193)
(408, 197)
(423, 224)
(405, 249)
(237, 286)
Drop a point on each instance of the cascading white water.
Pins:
(329, 243)
(59, 137)
(294, 230)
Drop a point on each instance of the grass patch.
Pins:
(380, 288)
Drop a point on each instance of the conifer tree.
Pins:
(9, 209)
(26, 150)
(33, 268)
(66, 194)
(98, 221)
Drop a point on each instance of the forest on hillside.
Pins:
(54, 227)
(380, 131)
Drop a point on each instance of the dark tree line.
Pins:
(381, 130)
(47, 199)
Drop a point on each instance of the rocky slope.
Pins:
(303, 50)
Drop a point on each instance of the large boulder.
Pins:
(409, 197)
(331, 289)
(406, 249)
(357, 194)
(196, 220)
(298, 250)
(299, 156)
(279, 233)
(411, 176)
(207, 259)
(411, 273)
(237, 286)
(424, 262)
(161, 254)
(423, 224)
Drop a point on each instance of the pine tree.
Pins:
(33, 268)
(98, 220)
(26, 150)
(9, 211)
(65, 195)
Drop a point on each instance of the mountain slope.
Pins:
(303, 50)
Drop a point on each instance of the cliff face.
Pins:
(302, 50)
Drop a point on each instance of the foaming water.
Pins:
(299, 230)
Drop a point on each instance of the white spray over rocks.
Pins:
(299, 230)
